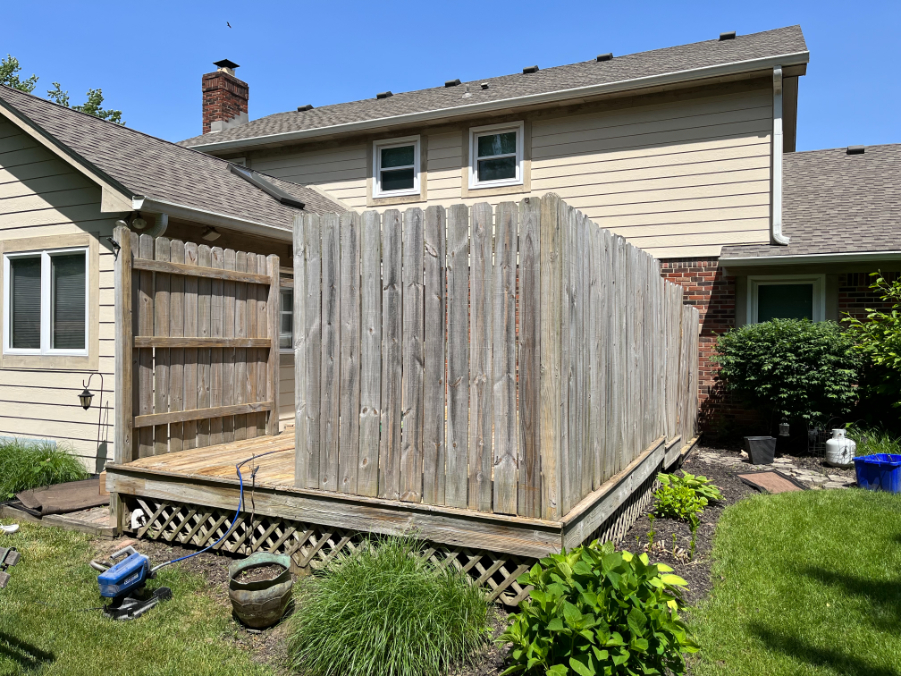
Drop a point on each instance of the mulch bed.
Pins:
(671, 546)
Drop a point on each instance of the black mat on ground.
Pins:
(62, 498)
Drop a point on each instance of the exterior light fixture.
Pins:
(85, 398)
(210, 234)
(783, 428)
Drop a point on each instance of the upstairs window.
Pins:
(396, 167)
(496, 155)
(46, 304)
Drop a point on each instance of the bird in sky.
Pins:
(228, 24)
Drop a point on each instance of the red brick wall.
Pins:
(224, 98)
(855, 295)
(713, 293)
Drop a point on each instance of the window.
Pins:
(786, 297)
(396, 167)
(46, 308)
(495, 154)
(286, 321)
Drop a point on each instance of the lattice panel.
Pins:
(312, 545)
(619, 523)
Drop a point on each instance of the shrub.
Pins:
(386, 610)
(597, 611)
(871, 440)
(879, 338)
(791, 368)
(26, 465)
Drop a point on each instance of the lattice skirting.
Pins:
(313, 546)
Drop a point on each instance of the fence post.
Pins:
(123, 413)
(272, 384)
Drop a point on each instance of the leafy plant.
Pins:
(699, 483)
(597, 611)
(27, 465)
(791, 368)
(685, 497)
(651, 533)
(871, 440)
(386, 610)
(879, 338)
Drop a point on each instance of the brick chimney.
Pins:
(224, 98)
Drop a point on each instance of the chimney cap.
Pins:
(225, 63)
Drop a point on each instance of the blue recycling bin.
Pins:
(879, 472)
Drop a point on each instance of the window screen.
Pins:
(496, 154)
(25, 310)
(784, 301)
(286, 320)
(67, 302)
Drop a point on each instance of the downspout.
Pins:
(778, 237)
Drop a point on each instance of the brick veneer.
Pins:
(224, 98)
(855, 295)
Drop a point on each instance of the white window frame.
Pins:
(475, 133)
(377, 148)
(45, 349)
(819, 292)
(283, 310)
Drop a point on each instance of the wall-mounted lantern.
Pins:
(86, 397)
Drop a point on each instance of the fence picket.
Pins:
(457, 444)
(370, 354)
(392, 318)
(161, 355)
(433, 415)
(331, 337)
(217, 356)
(480, 341)
(240, 331)
(144, 371)
(349, 435)
(176, 354)
(412, 331)
(204, 304)
(229, 262)
(264, 366)
(189, 428)
(307, 338)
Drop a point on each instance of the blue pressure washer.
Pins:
(124, 582)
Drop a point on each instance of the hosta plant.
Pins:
(596, 611)
(701, 485)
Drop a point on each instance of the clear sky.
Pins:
(148, 56)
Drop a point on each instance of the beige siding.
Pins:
(286, 391)
(41, 196)
(678, 178)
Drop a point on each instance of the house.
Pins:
(688, 152)
(66, 178)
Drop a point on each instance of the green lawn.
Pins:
(805, 583)
(42, 630)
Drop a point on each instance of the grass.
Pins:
(44, 630)
(386, 612)
(871, 440)
(805, 583)
(30, 465)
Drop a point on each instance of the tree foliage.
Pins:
(9, 76)
(879, 338)
(791, 368)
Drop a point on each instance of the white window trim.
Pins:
(377, 147)
(819, 292)
(281, 311)
(45, 349)
(475, 133)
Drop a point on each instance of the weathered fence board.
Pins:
(509, 360)
(185, 333)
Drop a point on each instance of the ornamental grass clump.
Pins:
(595, 611)
(27, 465)
(386, 610)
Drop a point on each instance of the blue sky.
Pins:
(148, 57)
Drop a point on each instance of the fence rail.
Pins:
(507, 361)
(196, 345)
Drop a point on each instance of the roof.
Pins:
(143, 165)
(573, 78)
(835, 202)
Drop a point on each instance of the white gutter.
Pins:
(848, 257)
(153, 205)
(776, 183)
(676, 77)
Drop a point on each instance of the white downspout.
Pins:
(778, 237)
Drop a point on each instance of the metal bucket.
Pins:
(262, 603)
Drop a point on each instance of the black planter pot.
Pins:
(760, 450)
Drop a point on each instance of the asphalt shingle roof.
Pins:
(777, 42)
(158, 169)
(834, 202)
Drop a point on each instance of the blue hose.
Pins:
(234, 521)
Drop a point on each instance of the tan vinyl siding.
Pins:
(678, 178)
(41, 196)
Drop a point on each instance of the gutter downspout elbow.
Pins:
(776, 202)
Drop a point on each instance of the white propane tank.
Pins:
(840, 450)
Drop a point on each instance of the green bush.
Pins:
(700, 484)
(26, 465)
(871, 440)
(386, 610)
(597, 611)
(685, 497)
(791, 368)
(879, 338)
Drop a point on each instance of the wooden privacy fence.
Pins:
(196, 345)
(507, 361)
